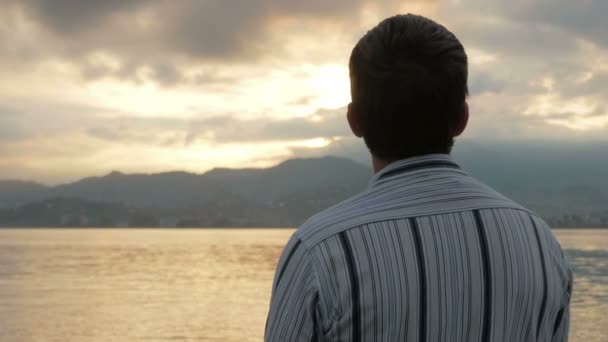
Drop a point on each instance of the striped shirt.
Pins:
(426, 253)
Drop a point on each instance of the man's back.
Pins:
(427, 253)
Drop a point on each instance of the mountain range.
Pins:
(279, 196)
(567, 185)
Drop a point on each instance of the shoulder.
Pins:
(421, 194)
(347, 214)
(554, 256)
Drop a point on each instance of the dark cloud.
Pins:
(541, 24)
(228, 29)
(149, 32)
(201, 29)
(74, 17)
(515, 40)
(585, 19)
(214, 29)
(165, 35)
(167, 74)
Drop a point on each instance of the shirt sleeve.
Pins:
(293, 313)
(562, 322)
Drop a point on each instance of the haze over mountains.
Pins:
(566, 184)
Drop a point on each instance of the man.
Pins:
(426, 253)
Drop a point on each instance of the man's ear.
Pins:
(463, 120)
(353, 120)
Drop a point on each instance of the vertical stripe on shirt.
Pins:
(545, 287)
(354, 287)
(487, 277)
(422, 304)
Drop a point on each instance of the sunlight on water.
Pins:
(209, 285)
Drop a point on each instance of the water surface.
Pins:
(198, 285)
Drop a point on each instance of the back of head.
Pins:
(408, 85)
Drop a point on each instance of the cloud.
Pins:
(69, 17)
(20, 120)
(548, 23)
(53, 142)
(184, 81)
(538, 67)
(209, 27)
(224, 129)
(12, 127)
(584, 19)
(482, 82)
(507, 117)
(170, 38)
(528, 38)
(583, 83)
(221, 129)
(160, 33)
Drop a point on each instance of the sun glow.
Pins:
(312, 143)
(331, 86)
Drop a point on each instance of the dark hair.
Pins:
(408, 86)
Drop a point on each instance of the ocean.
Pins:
(204, 285)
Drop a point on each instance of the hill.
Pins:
(15, 193)
(566, 185)
(284, 195)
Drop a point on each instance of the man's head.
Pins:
(409, 87)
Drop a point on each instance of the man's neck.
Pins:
(379, 164)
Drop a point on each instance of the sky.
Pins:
(142, 86)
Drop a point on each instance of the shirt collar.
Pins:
(407, 165)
